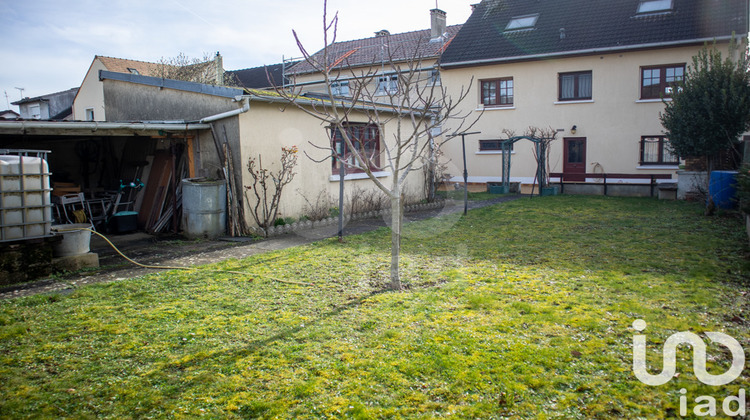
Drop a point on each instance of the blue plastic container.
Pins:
(722, 188)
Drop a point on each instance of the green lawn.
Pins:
(522, 310)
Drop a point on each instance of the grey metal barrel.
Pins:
(204, 207)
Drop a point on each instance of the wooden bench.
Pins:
(605, 176)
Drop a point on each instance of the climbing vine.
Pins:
(267, 187)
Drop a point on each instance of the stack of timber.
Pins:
(236, 224)
(162, 198)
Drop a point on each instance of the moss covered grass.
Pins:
(521, 310)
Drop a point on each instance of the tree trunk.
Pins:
(397, 216)
(710, 205)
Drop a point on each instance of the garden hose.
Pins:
(162, 267)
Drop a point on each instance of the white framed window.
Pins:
(654, 6)
(435, 77)
(35, 112)
(89, 114)
(522, 22)
(340, 88)
(387, 85)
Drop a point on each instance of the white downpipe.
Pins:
(245, 108)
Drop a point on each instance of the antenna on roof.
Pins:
(21, 91)
(6, 98)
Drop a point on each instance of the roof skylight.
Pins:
(654, 6)
(522, 22)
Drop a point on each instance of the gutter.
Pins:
(591, 51)
(221, 116)
(93, 126)
(340, 104)
(349, 78)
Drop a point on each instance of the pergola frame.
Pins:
(540, 145)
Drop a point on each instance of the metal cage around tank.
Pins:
(25, 195)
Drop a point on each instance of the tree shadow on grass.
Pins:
(253, 347)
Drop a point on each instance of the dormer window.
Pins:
(133, 71)
(654, 6)
(520, 23)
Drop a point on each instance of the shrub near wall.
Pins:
(743, 194)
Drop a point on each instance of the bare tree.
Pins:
(207, 70)
(413, 109)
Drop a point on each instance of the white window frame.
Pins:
(654, 6)
(387, 85)
(435, 77)
(340, 88)
(520, 23)
(35, 112)
(89, 114)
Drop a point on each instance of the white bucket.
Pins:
(75, 240)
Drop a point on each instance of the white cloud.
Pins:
(49, 44)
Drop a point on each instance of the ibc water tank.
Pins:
(25, 206)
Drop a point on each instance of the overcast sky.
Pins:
(47, 46)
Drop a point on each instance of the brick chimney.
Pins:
(438, 25)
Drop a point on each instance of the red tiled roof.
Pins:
(122, 65)
(374, 50)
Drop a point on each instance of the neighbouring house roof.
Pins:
(368, 51)
(510, 30)
(258, 77)
(9, 114)
(45, 98)
(59, 104)
(66, 113)
(124, 65)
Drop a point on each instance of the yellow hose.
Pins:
(162, 267)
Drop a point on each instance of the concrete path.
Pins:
(175, 252)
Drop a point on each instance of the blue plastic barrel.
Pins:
(722, 188)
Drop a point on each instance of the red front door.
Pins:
(574, 159)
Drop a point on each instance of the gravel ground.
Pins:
(172, 250)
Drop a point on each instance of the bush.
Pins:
(281, 221)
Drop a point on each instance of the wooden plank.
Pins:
(159, 165)
(152, 216)
(190, 156)
(163, 184)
